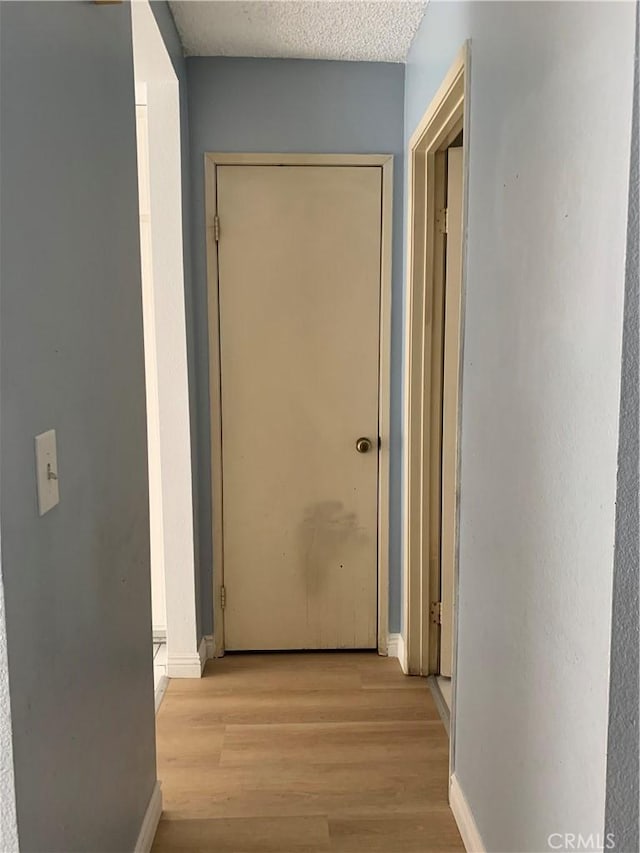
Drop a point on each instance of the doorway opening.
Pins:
(176, 652)
(452, 226)
(154, 461)
(435, 320)
(299, 275)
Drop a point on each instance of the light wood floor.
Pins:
(287, 753)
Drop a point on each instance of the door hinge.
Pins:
(216, 228)
(442, 219)
(436, 612)
(223, 597)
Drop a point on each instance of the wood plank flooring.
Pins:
(289, 753)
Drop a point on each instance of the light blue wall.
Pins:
(549, 141)
(77, 588)
(288, 106)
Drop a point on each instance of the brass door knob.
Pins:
(363, 445)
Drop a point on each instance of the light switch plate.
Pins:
(47, 471)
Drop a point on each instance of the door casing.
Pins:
(450, 404)
(385, 162)
(446, 116)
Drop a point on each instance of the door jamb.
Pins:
(447, 114)
(172, 493)
(385, 162)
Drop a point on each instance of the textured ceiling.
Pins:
(365, 30)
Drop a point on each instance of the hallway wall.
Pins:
(77, 585)
(268, 105)
(549, 135)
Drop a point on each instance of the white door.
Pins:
(299, 290)
(450, 397)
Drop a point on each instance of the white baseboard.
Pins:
(210, 646)
(392, 644)
(184, 666)
(189, 666)
(150, 822)
(215, 646)
(202, 653)
(395, 649)
(464, 818)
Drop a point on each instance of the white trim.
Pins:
(422, 370)
(385, 162)
(225, 158)
(384, 401)
(210, 642)
(392, 645)
(189, 666)
(166, 343)
(464, 818)
(141, 93)
(184, 666)
(396, 649)
(150, 822)
(202, 653)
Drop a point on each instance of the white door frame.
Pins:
(385, 162)
(445, 117)
(154, 466)
(164, 318)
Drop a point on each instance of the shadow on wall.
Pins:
(623, 800)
